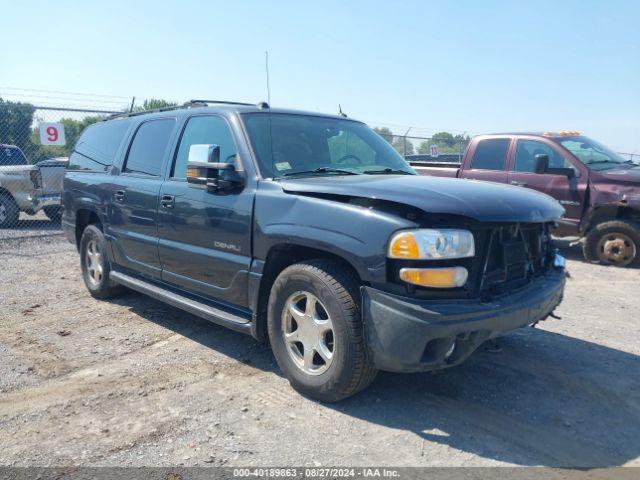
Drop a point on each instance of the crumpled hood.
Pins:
(482, 201)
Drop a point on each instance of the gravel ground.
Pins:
(135, 382)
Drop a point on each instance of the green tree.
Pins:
(385, 133)
(154, 104)
(402, 146)
(446, 142)
(15, 123)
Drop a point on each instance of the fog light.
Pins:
(435, 277)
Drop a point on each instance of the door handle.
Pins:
(167, 201)
(118, 195)
(518, 184)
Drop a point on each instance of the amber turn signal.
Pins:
(435, 277)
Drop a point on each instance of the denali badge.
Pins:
(569, 202)
(227, 246)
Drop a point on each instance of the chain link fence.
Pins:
(441, 147)
(35, 142)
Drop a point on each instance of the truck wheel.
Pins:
(9, 211)
(53, 213)
(616, 242)
(95, 265)
(316, 333)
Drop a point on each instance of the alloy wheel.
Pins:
(307, 331)
(93, 259)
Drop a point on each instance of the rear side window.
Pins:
(148, 147)
(97, 146)
(491, 154)
(11, 156)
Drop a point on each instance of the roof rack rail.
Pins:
(190, 103)
(223, 102)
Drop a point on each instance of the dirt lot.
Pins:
(134, 382)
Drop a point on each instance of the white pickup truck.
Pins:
(28, 188)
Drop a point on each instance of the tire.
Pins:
(95, 265)
(53, 213)
(616, 242)
(336, 294)
(9, 211)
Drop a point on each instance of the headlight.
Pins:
(431, 244)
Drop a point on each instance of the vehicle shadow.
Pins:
(570, 249)
(546, 399)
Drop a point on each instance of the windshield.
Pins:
(593, 154)
(291, 145)
(11, 156)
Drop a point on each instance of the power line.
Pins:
(63, 92)
(49, 97)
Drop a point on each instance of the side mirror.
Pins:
(204, 168)
(541, 163)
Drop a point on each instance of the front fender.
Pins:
(357, 234)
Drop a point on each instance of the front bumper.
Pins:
(408, 335)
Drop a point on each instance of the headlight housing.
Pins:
(431, 244)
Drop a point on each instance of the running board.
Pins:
(202, 310)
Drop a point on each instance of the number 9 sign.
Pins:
(51, 133)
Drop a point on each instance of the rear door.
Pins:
(487, 160)
(134, 203)
(205, 236)
(569, 192)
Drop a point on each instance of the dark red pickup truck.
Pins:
(599, 189)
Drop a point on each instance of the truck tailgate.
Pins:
(52, 176)
(437, 170)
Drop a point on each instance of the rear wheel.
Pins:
(616, 242)
(9, 211)
(315, 330)
(95, 265)
(53, 213)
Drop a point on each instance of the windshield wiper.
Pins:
(389, 171)
(322, 170)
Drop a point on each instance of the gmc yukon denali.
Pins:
(309, 231)
(599, 189)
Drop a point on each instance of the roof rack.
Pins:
(189, 104)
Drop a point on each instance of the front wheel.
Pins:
(316, 333)
(616, 242)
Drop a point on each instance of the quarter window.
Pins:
(148, 147)
(209, 130)
(491, 154)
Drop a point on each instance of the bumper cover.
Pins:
(405, 335)
(38, 202)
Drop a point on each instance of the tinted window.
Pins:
(299, 144)
(97, 146)
(148, 147)
(528, 149)
(11, 156)
(491, 154)
(210, 130)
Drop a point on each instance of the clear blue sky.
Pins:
(475, 66)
